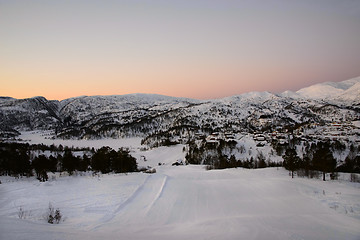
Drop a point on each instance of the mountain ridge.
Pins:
(306, 92)
(157, 115)
(329, 90)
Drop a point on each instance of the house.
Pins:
(229, 137)
(259, 137)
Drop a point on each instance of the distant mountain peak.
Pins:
(339, 91)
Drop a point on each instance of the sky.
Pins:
(200, 49)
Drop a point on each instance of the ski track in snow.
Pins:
(151, 188)
(108, 217)
(158, 195)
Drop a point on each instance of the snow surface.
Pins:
(351, 94)
(45, 137)
(348, 90)
(184, 202)
(178, 202)
(319, 91)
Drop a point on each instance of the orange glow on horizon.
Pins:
(181, 48)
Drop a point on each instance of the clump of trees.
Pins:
(219, 156)
(42, 165)
(15, 160)
(323, 159)
(108, 160)
(352, 161)
(318, 157)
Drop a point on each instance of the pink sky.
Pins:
(198, 49)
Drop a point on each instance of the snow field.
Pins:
(45, 137)
(183, 202)
(77, 197)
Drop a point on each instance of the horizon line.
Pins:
(164, 95)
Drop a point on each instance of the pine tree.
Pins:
(41, 164)
(69, 162)
(323, 159)
(291, 160)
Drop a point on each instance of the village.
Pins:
(336, 131)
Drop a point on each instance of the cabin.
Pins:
(229, 137)
(259, 137)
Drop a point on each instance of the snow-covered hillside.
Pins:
(346, 91)
(27, 114)
(352, 94)
(150, 115)
(184, 202)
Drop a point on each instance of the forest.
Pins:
(316, 157)
(18, 159)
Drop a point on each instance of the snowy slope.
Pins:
(184, 202)
(290, 94)
(319, 91)
(351, 94)
(333, 90)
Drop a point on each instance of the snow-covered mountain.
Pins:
(347, 92)
(27, 114)
(352, 94)
(157, 116)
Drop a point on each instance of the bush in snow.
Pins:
(53, 216)
(22, 214)
(57, 216)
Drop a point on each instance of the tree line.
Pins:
(15, 160)
(319, 157)
(316, 157)
(219, 156)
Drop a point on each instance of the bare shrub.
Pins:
(52, 215)
(22, 214)
(57, 216)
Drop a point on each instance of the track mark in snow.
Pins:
(109, 216)
(133, 196)
(141, 201)
(158, 195)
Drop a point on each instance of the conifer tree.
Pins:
(323, 159)
(291, 160)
